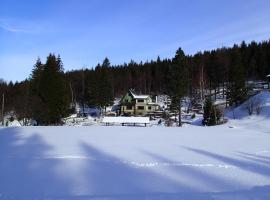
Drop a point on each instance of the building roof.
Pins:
(136, 96)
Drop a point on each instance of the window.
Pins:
(149, 107)
(140, 100)
(140, 107)
(129, 107)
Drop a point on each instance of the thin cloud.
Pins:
(15, 26)
(14, 30)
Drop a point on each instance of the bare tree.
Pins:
(250, 106)
(254, 104)
(258, 105)
(3, 107)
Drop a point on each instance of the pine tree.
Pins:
(54, 91)
(106, 93)
(237, 90)
(178, 82)
(99, 86)
(35, 77)
(37, 108)
(207, 109)
(92, 89)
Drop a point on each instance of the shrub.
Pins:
(212, 114)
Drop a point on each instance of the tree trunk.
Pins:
(83, 91)
(215, 93)
(223, 89)
(202, 85)
(179, 115)
(3, 107)
(72, 95)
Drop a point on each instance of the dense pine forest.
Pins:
(49, 93)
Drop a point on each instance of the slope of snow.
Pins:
(241, 112)
(239, 117)
(195, 163)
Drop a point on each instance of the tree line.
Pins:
(50, 93)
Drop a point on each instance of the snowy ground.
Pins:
(195, 163)
(231, 161)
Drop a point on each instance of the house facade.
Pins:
(137, 105)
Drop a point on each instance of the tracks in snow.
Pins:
(124, 162)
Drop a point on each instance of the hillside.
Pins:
(259, 120)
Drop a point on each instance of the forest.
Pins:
(50, 92)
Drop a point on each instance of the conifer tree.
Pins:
(211, 113)
(92, 89)
(35, 77)
(37, 108)
(54, 90)
(237, 90)
(106, 90)
(178, 82)
(100, 91)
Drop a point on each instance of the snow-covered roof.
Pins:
(143, 120)
(135, 96)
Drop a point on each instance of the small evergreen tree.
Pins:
(207, 108)
(212, 114)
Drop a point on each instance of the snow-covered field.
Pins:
(98, 162)
(226, 162)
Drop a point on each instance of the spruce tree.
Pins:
(236, 88)
(99, 87)
(207, 109)
(37, 108)
(211, 113)
(35, 77)
(92, 89)
(106, 90)
(54, 91)
(178, 82)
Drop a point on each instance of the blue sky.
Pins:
(84, 32)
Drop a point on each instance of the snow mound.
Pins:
(14, 123)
